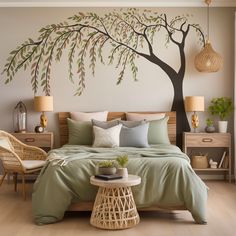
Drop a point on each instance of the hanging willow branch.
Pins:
(129, 34)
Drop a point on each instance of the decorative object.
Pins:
(20, 118)
(222, 106)
(39, 129)
(21, 159)
(194, 104)
(122, 162)
(43, 104)
(213, 164)
(210, 128)
(107, 167)
(208, 60)
(199, 161)
(114, 206)
(94, 35)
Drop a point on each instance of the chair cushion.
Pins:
(33, 164)
(5, 143)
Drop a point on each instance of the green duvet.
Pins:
(167, 180)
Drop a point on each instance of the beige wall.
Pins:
(153, 91)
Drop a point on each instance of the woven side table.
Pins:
(114, 206)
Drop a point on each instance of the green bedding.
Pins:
(167, 180)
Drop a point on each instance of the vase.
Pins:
(123, 172)
(210, 129)
(222, 126)
(107, 170)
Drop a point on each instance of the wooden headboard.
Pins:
(63, 128)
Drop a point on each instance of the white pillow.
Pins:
(107, 137)
(88, 116)
(148, 117)
(5, 143)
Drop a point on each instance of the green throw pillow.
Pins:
(158, 131)
(80, 132)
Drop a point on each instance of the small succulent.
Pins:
(122, 160)
(209, 122)
(106, 164)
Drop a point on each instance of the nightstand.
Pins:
(209, 140)
(42, 140)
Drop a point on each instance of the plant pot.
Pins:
(107, 170)
(222, 126)
(123, 172)
(210, 129)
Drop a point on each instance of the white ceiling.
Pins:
(115, 3)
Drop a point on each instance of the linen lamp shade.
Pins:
(194, 103)
(43, 103)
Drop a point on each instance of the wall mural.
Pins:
(128, 33)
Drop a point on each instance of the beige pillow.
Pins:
(148, 117)
(88, 116)
(107, 137)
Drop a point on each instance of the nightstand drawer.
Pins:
(207, 140)
(43, 140)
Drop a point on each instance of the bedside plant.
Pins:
(222, 107)
(122, 162)
(107, 167)
(210, 128)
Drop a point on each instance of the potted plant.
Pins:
(122, 162)
(222, 107)
(210, 128)
(106, 167)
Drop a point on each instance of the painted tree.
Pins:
(128, 34)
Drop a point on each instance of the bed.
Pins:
(168, 181)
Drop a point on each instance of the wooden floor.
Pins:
(16, 218)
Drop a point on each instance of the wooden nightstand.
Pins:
(42, 140)
(209, 140)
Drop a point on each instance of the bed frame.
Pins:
(63, 128)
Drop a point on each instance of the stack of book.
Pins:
(224, 161)
(108, 177)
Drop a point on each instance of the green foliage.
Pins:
(221, 106)
(127, 34)
(209, 122)
(107, 163)
(122, 160)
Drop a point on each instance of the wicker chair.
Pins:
(19, 158)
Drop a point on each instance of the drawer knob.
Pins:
(207, 140)
(29, 140)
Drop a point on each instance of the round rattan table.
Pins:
(114, 206)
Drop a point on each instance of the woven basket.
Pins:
(199, 162)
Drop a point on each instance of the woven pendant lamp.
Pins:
(208, 60)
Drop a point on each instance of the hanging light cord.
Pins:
(208, 2)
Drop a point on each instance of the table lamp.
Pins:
(194, 104)
(43, 104)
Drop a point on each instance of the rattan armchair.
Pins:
(19, 158)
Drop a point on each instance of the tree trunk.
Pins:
(178, 106)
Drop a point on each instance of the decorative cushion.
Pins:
(135, 136)
(5, 143)
(158, 131)
(107, 137)
(80, 132)
(33, 164)
(131, 123)
(148, 117)
(88, 116)
(105, 124)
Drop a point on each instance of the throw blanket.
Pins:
(167, 180)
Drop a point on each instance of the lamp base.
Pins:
(195, 122)
(43, 120)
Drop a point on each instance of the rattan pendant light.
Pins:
(208, 60)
